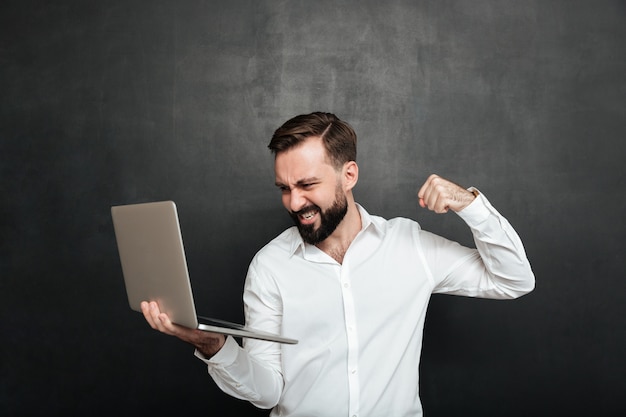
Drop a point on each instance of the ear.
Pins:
(350, 175)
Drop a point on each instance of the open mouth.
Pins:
(308, 215)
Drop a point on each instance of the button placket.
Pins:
(352, 337)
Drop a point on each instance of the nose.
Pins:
(295, 200)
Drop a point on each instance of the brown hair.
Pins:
(338, 136)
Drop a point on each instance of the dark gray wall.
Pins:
(127, 101)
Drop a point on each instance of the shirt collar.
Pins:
(367, 225)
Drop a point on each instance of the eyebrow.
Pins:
(299, 182)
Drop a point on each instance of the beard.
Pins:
(329, 219)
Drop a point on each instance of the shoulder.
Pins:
(280, 247)
(383, 225)
(395, 224)
(394, 231)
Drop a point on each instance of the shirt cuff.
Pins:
(477, 211)
(224, 357)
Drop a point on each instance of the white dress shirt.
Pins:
(360, 323)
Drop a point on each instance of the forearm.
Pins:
(502, 253)
(241, 375)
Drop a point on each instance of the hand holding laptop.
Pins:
(155, 269)
(206, 342)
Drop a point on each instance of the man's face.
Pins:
(311, 190)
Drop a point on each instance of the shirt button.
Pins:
(346, 285)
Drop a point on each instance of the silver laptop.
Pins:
(154, 266)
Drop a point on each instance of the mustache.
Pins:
(306, 209)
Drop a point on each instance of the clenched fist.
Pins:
(440, 195)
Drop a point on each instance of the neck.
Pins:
(336, 245)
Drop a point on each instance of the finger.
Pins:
(441, 205)
(145, 309)
(428, 199)
(166, 325)
(160, 321)
(436, 201)
(436, 196)
(432, 196)
(425, 191)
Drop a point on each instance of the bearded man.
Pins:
(352, 287)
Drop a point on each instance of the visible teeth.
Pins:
(309, 215)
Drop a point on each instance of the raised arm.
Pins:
(497, 268)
